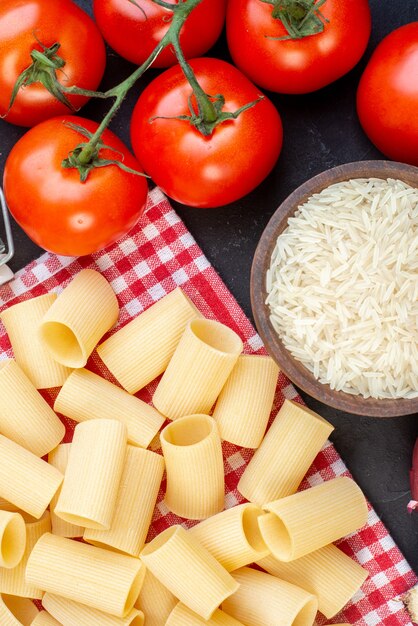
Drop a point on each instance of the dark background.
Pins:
(320, 130)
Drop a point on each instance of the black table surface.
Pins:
(321, 130)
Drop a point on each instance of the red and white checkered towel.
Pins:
(158, 255)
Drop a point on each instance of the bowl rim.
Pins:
(354, 404)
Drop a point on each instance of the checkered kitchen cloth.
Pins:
(158, 255)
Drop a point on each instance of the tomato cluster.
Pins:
(288, 46)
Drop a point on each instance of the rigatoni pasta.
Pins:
(188, 570)
(155, 601)
(91, 482)
(233, 536)
(85, 396)
(199, 368)
(59, 458)
(139, 486)
(311, 519)
(25, 417)
(12, 539)
(16, 611)
(26, 481)
(194, 463)
(78, 319)
(71, 613)
(328, 573)
(98, 578)
(22, 325)
(12, 581)
(111, 487)
(141, 350)
(292, 442)
(7, 506)
(182, 616)
(244, 405)
(264, 600)
(45, 619)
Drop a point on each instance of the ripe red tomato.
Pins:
(296, 65)
(387, 97)
(134, 33)
(197, 170)
(24, 26)
(56, 210)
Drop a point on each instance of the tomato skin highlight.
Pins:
(205, 171)
(52, 21)
(59, 212)
(296, 66)
(133, 37)
(387, 97)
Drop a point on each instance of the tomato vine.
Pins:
(206, 111)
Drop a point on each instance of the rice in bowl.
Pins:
(343, 287)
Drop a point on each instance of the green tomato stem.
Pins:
(206, 109)
(119, 93)
(301, 18)
(210, 108)
(180, 13)
(43, 70)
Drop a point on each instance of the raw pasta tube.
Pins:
(16, 611)
(139, 486)
(328, 573)
(285, 455)
(182, 616)
(188, 570)
(12, 539)
(264, 600)
(12, 581)
(155, 600)
(244, 405)
(26, 481)
(101, 579)
(71, 613)
(141, 350)
(311, 519)
(25, 417)
(59, 458)
(7, 506)
(78, 319)
(233, 536)
(199, 368)
(45, 619)
(85, 396)
(194, 463)
(91, 482)
(22, 325)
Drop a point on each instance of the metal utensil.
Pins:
(7, 249)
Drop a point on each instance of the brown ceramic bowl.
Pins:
(293, 369)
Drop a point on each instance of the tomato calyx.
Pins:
(85, 158)
(204, 126)
(301, 18)
(43, 69)
(209, 108)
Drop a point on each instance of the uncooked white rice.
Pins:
(343, 287)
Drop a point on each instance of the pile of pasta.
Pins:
(103, 486)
